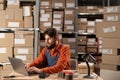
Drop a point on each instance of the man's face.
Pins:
(50, 41)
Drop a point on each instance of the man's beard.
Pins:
(52, 46)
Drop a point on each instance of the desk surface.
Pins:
(51, 77)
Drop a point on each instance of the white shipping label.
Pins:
(91, 23)
(71, 40)
(112, 18)
(43, 19)
(13, 24)
(100, 46)
(22, 51)
(72, 50)
(90, 31)
(13, 2)
(83, 19)
(101, 10)
(42, 11)
(21, 57)
(57, 16)
(68, 21)
(112, 9)
(58, 4)
(19, 41)
(81, 31)
(98, 20)
(91, 40)
(27, 11)
(70, 27)
(68, 11)
(56, 21)
(45, 15)
(70, 5)
(107, 51)
(2, 50)
(100, 41)
(47, 24)
(2, 35)
(44, 3)
(57, 27)
(90, 7)
(109, 29)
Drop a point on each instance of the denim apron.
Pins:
(51, 60)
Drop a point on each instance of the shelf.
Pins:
(18, 29)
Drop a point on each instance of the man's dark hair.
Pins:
(51, 32)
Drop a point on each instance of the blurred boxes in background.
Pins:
(13, 3)
(24, 38)
(83, 69)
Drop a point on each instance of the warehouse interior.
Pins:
(90, 28)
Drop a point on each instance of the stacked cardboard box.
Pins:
(14, 14)
(46, 3)
(6, 46)
(69, 20)
(28, 17)
(58, 17)
(2, 4)
(23, 45)
(109, 31)
(45, 18)
(70, 42)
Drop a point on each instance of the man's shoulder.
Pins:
(65, 46)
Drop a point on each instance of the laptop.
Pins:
(18, 66)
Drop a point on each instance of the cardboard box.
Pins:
(81, 48)
(108, 29)
(112, 9)
(13, 4)
(69, 12)
(2, 6)
(6, 39)
(2, 1)
(26, 58)
(18, 14)
(46, 3)
(69, 28)
(21, 50)
(2, 18)
(24, 38)
(82, 9)
(58, 14)
(14, 23)
(111, 51)
(27, 10)
(112, 17)
(69, 21)
(83, 69)
(58, 3)
(28, 22)
(110, 67)
(106, 59)
(70, 3)
(69, 40)
(111, 43)
(5, 52)
(108, 74)
(10, 14)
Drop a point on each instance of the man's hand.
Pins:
(34, 70)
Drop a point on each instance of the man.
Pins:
(55, 55)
